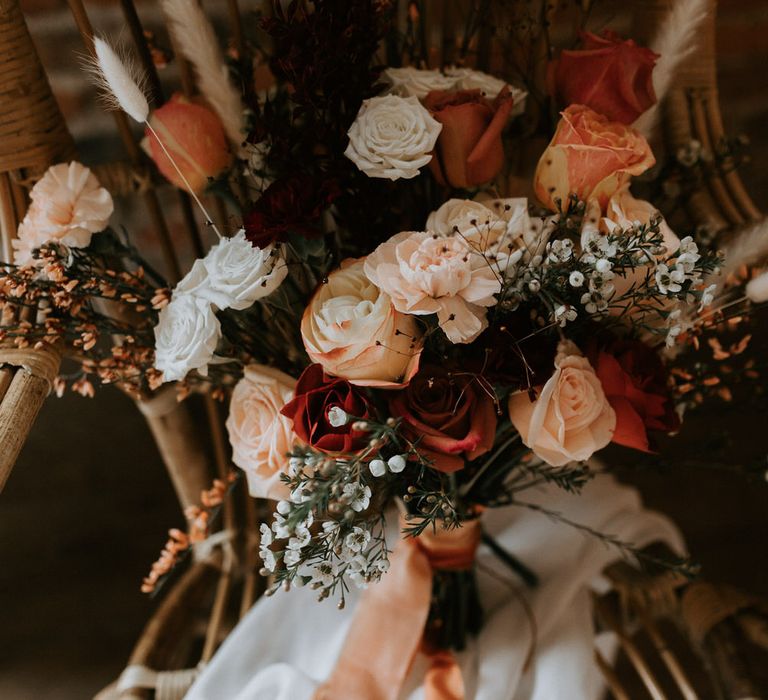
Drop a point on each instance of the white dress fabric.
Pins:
(288, 644)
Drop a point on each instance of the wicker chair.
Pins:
(222, 584)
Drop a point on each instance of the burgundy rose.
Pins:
(316, 393)
(469, 149)
(292, 205)
(635, 382)
(452, 417)
(608, 75)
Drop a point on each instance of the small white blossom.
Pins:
(283, 507)
(708, 296)
(358, 496)
(560, 251)
(295, 466)
(603, 266)
(358, 569)
(576, 279)
(291, 557)
(669, 280)
(357, 540)
(337, 416)
(378, 467)
(688, 255)
(324, 573)
(396, 464)
(266, 535)
(280, 528)
(565, 313)
(268, 557)
(301, 537)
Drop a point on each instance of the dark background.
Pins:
(86, 510)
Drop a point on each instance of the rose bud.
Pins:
(469, 149)
(195, 138)
(590, 157)
(451, 415)
(610, 76)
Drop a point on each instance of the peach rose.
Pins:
(571, 419)
(425, 273)
(611, 76)
(469, 149)
(67, 205)
(261, 437)
(352, 329)
(591, 157)
(194, 136)
(623, 212)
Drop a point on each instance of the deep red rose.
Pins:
(451, 416)
(635, 382)
(469, 149)
(610, 76)
(292, 205)
(316, 393)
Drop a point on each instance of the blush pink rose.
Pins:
(590, 157)
(67, 205)
(609, 75)
(571, 419)
(194, 136)
(469, 149)
(261, 437)
(352, 329)
(425, 273)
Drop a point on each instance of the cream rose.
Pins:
(571, 419)
(392, 137)
(235, 273)
(352, 329)
(412, 82)
(260, 436)
(425, 273)
(186, 336)
(67, 205)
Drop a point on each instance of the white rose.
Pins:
(235, 273)
(412, 82)
(260, 436)
(352, 329)
(186, 336)
(490, 86)
(392, 137)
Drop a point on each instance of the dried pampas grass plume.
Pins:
(676, 40)
(120, 80)
(197, 41)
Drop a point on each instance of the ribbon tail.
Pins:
(386, 631)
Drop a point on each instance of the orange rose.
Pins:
(469, 149)
(194, 136)
(590, 157)
(611, 76)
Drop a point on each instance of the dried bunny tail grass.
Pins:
(675, 41)
(197, 41)
(120, 80)
(747, 248)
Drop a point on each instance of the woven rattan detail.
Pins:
(42, 363)
(32, 131)
(705, 605)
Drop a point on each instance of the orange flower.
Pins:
(194, 136)
(590, 157)
(469, 149)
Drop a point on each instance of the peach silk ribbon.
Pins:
(388, 626)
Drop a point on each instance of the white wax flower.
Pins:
(392, 137)
(186, 336)
(234, 274)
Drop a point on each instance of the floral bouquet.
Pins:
(402, 332)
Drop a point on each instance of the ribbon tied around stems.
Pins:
(387, 628)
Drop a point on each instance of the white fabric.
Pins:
(289, 643)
